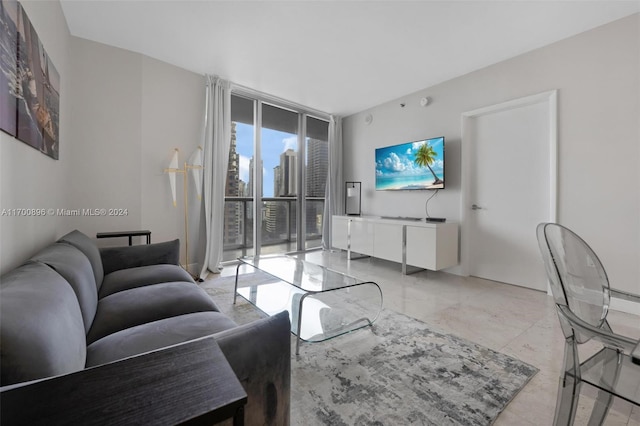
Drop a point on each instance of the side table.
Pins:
(129, 234)
(190, 383)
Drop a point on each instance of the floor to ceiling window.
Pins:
(278, 164)
(238, 207)
(280, 175)
(316, 169)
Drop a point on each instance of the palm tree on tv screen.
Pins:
(426, 156)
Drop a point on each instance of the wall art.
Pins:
(29, 83)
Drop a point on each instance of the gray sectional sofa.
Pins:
(73, 306)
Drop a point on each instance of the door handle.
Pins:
(476, 207)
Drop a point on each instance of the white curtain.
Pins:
(217, 140)
(334, 192)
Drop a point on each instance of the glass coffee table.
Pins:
(322, 303)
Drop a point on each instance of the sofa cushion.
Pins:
(41, 329)
(74, 267)
(126, 279)
(137, 306)
(126, 257)
(155, 335)
(89, 248)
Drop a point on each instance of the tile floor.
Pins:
(510, 319)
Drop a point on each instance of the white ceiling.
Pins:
(339, 57)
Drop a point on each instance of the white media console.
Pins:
(418, 243)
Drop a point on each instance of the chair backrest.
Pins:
(578, 279)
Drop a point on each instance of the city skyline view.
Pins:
(274, 143)
(293, 188)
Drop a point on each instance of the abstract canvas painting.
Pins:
(29, 83)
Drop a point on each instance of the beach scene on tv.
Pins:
(411, 165)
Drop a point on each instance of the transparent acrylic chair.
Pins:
(581, 292)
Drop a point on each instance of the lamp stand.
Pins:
(353, 198)
(185, 187)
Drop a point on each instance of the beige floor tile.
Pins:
(618, 414)
(507, 418)
(539, 346)
(537, 400)
(634, 419)
(478, 324)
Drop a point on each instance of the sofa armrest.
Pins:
(260, 355)
(190, 382)
(116, 258)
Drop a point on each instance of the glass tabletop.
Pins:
(300, 273)
(322, 303)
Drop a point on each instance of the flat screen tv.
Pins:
(411, 165)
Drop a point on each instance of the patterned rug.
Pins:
(398, 372)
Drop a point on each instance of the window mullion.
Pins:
(257, 179)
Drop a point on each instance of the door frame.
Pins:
(551, 99)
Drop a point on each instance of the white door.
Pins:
(511, 188)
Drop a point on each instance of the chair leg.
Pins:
(570, 384)
(600, 408)
(567, 403)
(604, 399)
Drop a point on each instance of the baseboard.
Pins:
(625, 306)
(192, 268)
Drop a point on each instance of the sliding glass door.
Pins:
(278, 164)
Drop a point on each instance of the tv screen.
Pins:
(411, 165)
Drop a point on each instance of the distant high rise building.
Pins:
(232, 209)
(285, 184)
(288, 174)
(317, 167)
(276, 181)
(233, 170)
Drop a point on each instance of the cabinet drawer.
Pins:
(362, 237)
(421, 247)
(387, 242)
(339, 232)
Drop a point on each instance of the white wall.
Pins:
(130, 113)
(597, 74)
(106, 136)
(172, 114)
(28, 178)
(122, 114)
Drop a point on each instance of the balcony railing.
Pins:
(279, 225)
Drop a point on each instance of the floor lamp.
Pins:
(195, 166)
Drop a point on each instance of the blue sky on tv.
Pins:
(398, 160)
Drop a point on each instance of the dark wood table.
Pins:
(190, 383)
(129, 234)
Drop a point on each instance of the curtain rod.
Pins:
(243, 90)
